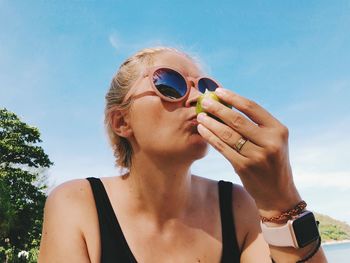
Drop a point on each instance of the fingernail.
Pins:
(201, 116)
(220, 91)
(206, 103)
(200, 128)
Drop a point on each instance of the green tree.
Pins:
(22, 185)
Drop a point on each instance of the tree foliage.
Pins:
(332, 229)
(22, 197)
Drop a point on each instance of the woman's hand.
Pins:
(263, 161)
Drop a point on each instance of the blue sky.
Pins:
(293, 57)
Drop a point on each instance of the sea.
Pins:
(337, 252)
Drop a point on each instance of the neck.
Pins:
(160, 187)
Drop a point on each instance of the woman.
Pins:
(163, 212)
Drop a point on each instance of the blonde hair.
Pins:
(122, 81)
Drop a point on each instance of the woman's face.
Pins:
(160, 127)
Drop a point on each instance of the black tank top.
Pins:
(114, 247)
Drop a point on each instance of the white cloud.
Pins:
(115, 41)
(322, 160)
(321, 168)
(328, 156)
(320, 179)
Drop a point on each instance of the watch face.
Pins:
(305, 229)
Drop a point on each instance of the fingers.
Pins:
(227, 135)
(250, 108)
(230, 154)
(235, 120)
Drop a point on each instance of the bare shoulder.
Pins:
(72, 202)
(72, 192)
(62, 229)
(69, 198)
(246, 216)
(75, 188)
(245, 213)
(246, 220)
(244, 205)
(241, 199)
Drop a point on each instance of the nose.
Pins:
(192, 98)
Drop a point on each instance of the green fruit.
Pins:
(210, 95)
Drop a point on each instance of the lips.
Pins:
(192, 124)
(194, 121)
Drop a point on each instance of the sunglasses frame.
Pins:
(149, 72)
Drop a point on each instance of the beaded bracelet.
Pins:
(289, 214)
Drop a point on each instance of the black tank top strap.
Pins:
(231, 252)
(114, 247)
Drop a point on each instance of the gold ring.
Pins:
(239, 144)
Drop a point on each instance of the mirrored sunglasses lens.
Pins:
(169, 83)
(207, 84)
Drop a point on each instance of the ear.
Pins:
(120, 124)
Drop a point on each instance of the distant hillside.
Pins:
(332, 229)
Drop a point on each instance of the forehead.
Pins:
(178, 61)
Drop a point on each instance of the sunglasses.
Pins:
(171, 84)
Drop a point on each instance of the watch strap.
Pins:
(280, 236)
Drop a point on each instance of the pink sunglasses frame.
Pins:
(149, 72)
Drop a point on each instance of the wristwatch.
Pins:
(297, 232)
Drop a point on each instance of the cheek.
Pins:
(152, 124)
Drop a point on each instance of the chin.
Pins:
(198, 148)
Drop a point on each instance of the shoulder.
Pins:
(71, 192)
(247, 217)
(244, 207)
(242, 203)
(62, 233)
(245, 212)
(241, 199)
(70, 198)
